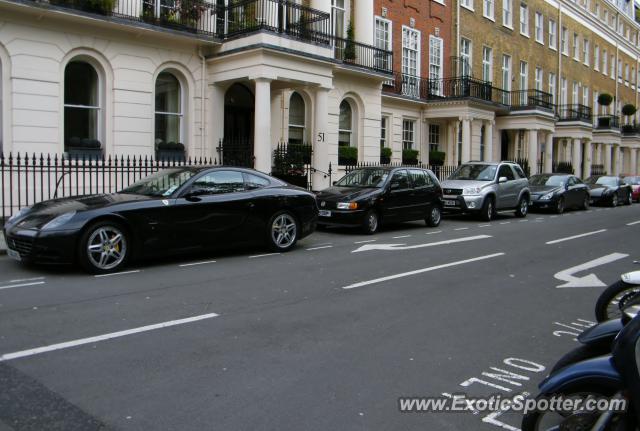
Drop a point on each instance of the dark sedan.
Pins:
(368, 197)
(609, 190)
(173, 211)
(557, 192)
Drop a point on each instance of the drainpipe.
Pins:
(457, 44)
(203, 87)
(557, 96)
(617, 70)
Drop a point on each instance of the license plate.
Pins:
(450, 203)
(324, 213)
(13, 254)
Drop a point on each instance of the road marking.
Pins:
(401, 236)
(117, 273)
(420, 271)
(10, 286)
(523, 221)
(484, 225)
(539, 218)
(20, 280)
(632, 223)
(197, 263)
(555, 216)
(319, 248)
(462, 228)
(366, 241)
(505, 222)
(433, 233)
(590, 280)
(263, 255)
(368, 247)
(80, 342)
(569, 238)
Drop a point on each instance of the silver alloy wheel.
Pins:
(284, 231)
(372, 221)
(614, 201)
(524, 207)
(560, 206)
(106, 247)
(586, 202)
(490, 210)
(435, 215)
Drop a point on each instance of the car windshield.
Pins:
(548, 180)
(635, 181)
(604, 181)
(364, 178)
(474, 173)
(162, 183)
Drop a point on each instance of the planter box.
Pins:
(170, 155)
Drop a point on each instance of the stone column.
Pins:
(548, 153)
(488, 141)
(576, 159)
(586, 165)
(363, 25)
(617, 160)
(634, 161)
(607, 159)
(466, 140)
(262, 126)
(215, 126)
(533, 151)
(320, 139)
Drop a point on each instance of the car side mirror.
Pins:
(502, 180)
(335, 182)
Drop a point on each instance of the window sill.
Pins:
(510, 27)
(553, 48)
(439, 2)
(490, 18)
(525, 35)
(469, 8)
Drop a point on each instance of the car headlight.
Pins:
(471, 191)
(20, 213)
(547, 196)
(58, 221)
(347, 205)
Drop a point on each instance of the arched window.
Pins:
(296, 119)
(345, 125)
(82, 107)
(169, 107)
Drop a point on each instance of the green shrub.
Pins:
(347, 155)
(350, 47)
(628, 109)
(385, 155)
(436, 158)
(410, 157)
(605, 99)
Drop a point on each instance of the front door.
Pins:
(237, 145)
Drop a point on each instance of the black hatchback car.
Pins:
(368, 197)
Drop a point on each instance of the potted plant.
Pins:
(170, 151)
(604, 99)
(436, 158)
(410, 157)
(628, 110)
(347, 155)
(350, 46)
(385, 155)
(79, 148)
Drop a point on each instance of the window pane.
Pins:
(221, 182)
(345, 116)
(80, 84)
(80, 124)
(296, 135)
(168, 94)
(296, 110)
(344, 139)
(167, 128)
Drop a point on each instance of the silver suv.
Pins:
(487, 187)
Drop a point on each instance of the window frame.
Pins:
(507, 14)
(408, 134)
(553, 35)
(486, 5)
(180, 115)
(524, 20)
(539, 27)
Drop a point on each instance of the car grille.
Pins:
(21, 245)
(454, 192)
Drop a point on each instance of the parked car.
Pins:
(172, 211)
(609, 190)
(558, 192)
(369, 197)
(485, 187)
(634, 182)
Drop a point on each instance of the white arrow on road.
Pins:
(589, 280)
(369, 247)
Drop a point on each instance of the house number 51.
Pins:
(321, 137)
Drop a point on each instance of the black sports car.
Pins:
(175, 210)
(558, 192)
(367, 197)
(609, 190)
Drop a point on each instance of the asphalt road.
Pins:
(321, 338)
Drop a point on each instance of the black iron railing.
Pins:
(236, 152)
(606, 122)
(26, 179)
(531, 99)
(292, 163)
(359, 54)
(434, 89)
(598, 170)
(576, 112)
(630, 130)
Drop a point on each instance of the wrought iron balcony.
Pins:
(531, 99)
(436, 89)
(361, 55)
(576, 112)
(608, 122)
(630, 130)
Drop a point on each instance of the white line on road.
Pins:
(263, 255)
(539, 218)
(117, 273)
(523, 221)
(420, 271)
(397, 247)
(197, 263)
(401, 236)
(484, 225)
(365, 241)
(462, 228)
(319, 248)
(505, 222)
(590, 280)
(433, 233)
(10, 286)
(20, 280)
(632, 223)
(80, 342)
(569, 238)
(555, 216)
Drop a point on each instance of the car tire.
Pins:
(559, 209)
(104, 247)
(371, 222)
(488, 210)
(614, 200)
(434, 217)
(523, 207)
(282, 231)
(586, 202)
(629, 200)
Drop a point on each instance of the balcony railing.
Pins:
(531, 99)
(608, 122)
(434, 89)
(574, 113)
(630, 130)
(358, 54)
